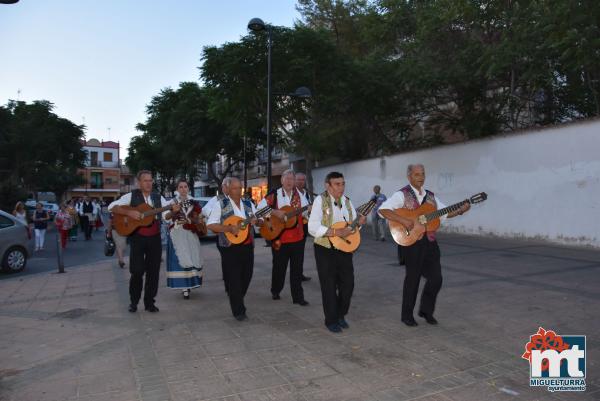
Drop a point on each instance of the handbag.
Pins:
(109, 247)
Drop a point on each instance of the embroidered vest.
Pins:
(327, 219)
(137, 198)
(227, 211)
(295, 233)
(411, 202)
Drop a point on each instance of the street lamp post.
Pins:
(257, 25)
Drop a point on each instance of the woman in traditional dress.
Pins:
(184, 256)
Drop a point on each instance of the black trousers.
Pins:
(144, 258)
(303, 246)
(86, 227)
(294, 254)
(238, 261)
(336, 276)
(421, 259)
(220, 248)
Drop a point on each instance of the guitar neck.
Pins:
(442, 212)
(362, 210)
(157, 211)
(296, 212)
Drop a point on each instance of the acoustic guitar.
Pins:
(125, 225)
(428, 216)
(243, 225)
(351, 242)
(274, 226)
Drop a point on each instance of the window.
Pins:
(108, 157)
(126, 181)
(6, 222)
(96, 180)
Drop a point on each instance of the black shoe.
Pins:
(276, 297)
(186, 294)
(305, 278)
(334, 328)
(241, 318)
(152, 309)
(343, 323)
(122, 265)
(428, 318)
(132, 308)
(411, 322)
(302, 303)
(383, 240)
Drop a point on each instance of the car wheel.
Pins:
(14, 260)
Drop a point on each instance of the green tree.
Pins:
(39, 150)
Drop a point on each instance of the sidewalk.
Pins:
(70, 337)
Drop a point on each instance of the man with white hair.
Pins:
(289, 246)
(423, 257)
(206, 211)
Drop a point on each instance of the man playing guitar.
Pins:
(289, 246)
(423, 257)
(335, 268)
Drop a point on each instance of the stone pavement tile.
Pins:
(118, 359)
(44, 389)
(201, 388)
(225, 347)
(351, 361)
(117, 380)
(390, 394)
(177, 354)
(372, 379)
(252, 330)
(238, 361)
(304, 369)
(206, 332)
(308, 335)
(254, 379)
(283, 354)
(326, 346)
(476, 392)
(333, 387)
(279, 393)
(189, 370)
(275, 340)
(112, 396)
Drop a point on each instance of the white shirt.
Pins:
(125, 200)
(209, 206)
(284, 199)
(94, 208)
(215, 213)
(315, 228)
(396, 201)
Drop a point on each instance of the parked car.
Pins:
(16, 244)
(51, 208)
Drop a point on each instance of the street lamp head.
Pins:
(302, 92)
(256, 24)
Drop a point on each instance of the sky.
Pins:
(100, 62)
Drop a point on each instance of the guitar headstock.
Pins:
(480, 197)
(366, 208)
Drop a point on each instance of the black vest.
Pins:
(87, 207)
(137, 198)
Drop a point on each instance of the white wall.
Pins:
(542, 184)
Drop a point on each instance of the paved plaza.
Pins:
(70, 337)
